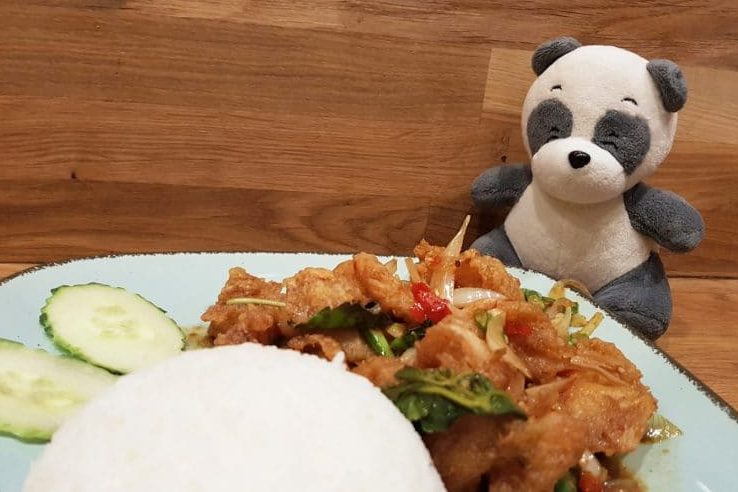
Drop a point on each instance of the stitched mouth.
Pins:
(608, 144)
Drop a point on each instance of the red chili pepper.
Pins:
(517, 329)
(590, 483)
(427, 304)
(417, 314)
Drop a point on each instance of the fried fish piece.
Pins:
(303, 294)
(316, 344)
(380, 370)
(379, 284)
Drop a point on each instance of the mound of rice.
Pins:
(238, 418)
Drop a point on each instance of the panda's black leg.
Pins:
(496, 243)
(640, 298)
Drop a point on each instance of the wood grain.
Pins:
(43, 217)
(130, 125)
(111, 142)
(701, 336)
(101, 54)
(8, 269)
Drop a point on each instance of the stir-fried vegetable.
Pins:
(377, 341)
(593, 474)
(563, 312)
(589, 463)
(594, 321)
(562, 322)
(464, 296)
(375, 326)
(347, 315)
(567, 483)
(492, 322)
(408, 339)
(428, 306)
(434, 398)
(369, 322)
(442, 280)
(535, 297)
(256, 300)
(660, 429)
(559, 288)
(396, 330)
(590, 483)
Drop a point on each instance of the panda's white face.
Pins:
(594, 125)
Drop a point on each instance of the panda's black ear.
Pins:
(552, 50)
(671, 83)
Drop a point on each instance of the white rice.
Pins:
(244, 418)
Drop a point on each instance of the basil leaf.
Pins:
(435, 398)
(414, 334)
(431, 413)
(567, 483)
(377, 342)
(347, 315)
(535, 297)
(530, 293)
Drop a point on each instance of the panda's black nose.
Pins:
(578, 159)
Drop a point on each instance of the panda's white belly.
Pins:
(593, 243)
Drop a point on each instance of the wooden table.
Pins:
(702, 336)
(331, 125)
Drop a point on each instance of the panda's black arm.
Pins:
(665, 217)
(501, 185)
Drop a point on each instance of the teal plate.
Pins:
(185, 284)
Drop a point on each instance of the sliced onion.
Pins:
(412, 270)
(477, 349)
(466, 295)
(442, 280)
(495, 338)
(558, 289)
(493, 332)
(410, 356)
(593, 323)
(255, 300)
(453, 248)
(561, 322)
(590, 464)
(396, 330)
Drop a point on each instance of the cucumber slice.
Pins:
(38, 391)
(110, 327)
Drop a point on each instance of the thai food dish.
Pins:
(506, 386)
(449, 373)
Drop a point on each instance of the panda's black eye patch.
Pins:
(630, 100)
(625, 136)
(548, 121)
(557, 87)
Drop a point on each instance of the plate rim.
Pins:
(717, 400)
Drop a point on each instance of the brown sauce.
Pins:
(619, 477)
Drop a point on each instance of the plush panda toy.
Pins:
(596, 122)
